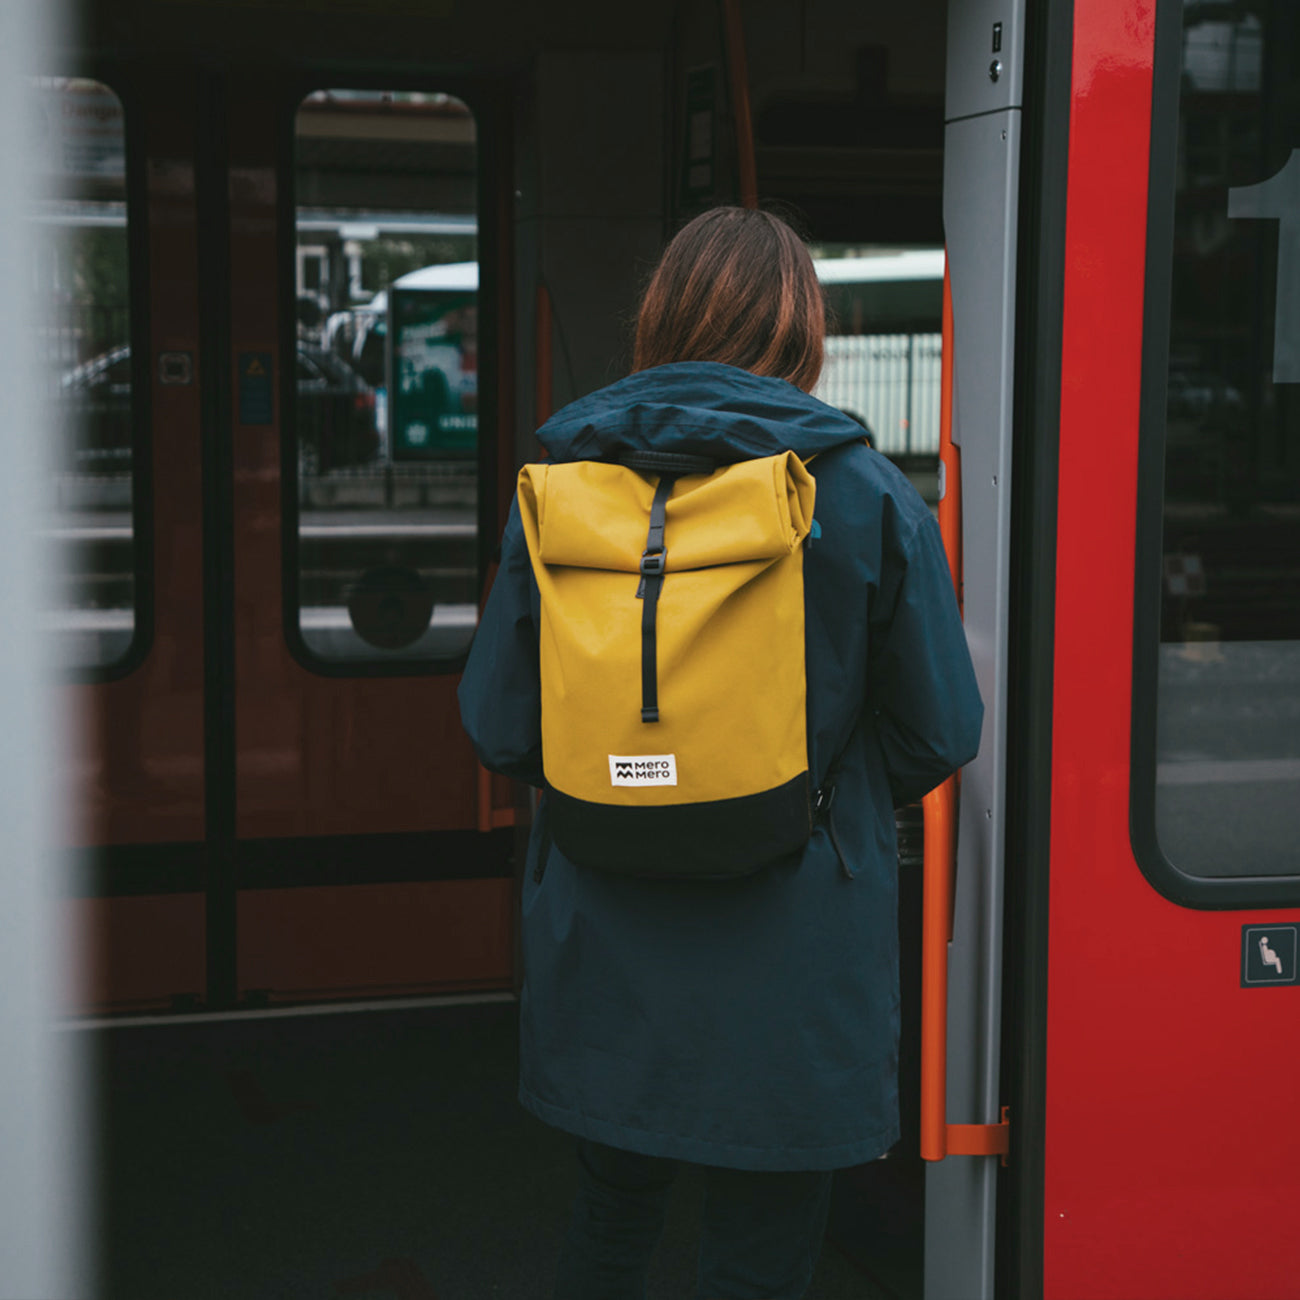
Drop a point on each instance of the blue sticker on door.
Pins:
(1268, 955)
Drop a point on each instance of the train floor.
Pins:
(372, 1155)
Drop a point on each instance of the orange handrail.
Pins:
(738, 76)
(949, 453)
(939, 809)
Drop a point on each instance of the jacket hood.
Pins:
(701, 408)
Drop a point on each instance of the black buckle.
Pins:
(823, 800)
(652, 563)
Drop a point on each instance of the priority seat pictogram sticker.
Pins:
(1269, 955)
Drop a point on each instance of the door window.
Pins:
(385, 422)
(83, 275)
(1220, 791)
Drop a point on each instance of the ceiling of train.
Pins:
(813, 46)
(847, 98)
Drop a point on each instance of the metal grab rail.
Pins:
(939, 809)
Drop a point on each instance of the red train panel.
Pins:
(1172, 1162)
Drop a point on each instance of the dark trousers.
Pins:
(760, 1238)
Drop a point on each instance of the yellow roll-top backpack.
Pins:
(673, 696)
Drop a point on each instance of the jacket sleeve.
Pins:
(921, 684)
(500, 691)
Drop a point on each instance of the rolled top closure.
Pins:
(666, 462)
(592, 515)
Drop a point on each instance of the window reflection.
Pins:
(84, 277)
(1221, 53)
(386, 417)
(1228, 726)
(884, 349)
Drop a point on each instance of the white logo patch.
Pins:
(643, 769)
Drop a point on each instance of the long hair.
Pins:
(737, 286)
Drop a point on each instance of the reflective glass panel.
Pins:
(83, 275)
(386, 418)
(1228, 723)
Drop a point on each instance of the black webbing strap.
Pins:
(652, 581)
(666, 462)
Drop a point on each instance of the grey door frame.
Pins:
(981, 190)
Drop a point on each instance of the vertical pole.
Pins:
(738, 77)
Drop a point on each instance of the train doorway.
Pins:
(354, 295)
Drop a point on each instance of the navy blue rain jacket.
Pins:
(750, 1023)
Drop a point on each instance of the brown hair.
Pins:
(735, 285)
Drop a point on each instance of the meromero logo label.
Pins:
(643, 769)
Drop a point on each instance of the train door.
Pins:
(272, 592)
(1172, 993)
(126, 618)
(360, 409)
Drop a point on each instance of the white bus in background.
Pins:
(884, 351)
(883, 354)
(440, 334)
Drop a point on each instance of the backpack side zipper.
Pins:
(822, 803)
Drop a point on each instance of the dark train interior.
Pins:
(325, 266)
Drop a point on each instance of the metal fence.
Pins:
(382, 485)
(892, 382)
